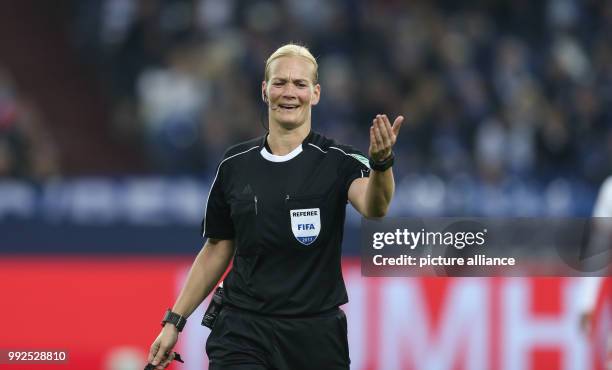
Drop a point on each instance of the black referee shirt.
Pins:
(286, 216)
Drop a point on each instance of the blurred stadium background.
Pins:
(114, 114)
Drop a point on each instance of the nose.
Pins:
(289, 91)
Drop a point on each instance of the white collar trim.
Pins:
(280, 158)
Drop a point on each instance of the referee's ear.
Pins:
(264, 95)
(316, 94)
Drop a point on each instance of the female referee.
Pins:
(277, 207)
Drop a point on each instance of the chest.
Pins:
(275, 185)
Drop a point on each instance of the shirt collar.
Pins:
(266, 152)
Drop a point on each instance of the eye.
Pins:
(277, 83)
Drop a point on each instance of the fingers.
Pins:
(376, 141)
(373, 143)
(393, 131)
(380, 133)
(160, 355)
(397, 124)
(377, 146)
(386, 132)
(383, 135)
(167, 361)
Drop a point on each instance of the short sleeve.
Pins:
(355, 165)
(217, 222)
(603, 205)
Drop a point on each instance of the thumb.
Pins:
(397, 124)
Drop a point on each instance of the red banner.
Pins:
(105, 312)
(601, 332)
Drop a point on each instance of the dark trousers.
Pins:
(242, 340)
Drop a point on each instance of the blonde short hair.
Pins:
(292, 50)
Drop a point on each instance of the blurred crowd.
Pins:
(27, 148)
(491, 90)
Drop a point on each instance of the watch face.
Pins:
(174, 319)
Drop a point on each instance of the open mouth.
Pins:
(288, 107)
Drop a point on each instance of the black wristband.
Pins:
(174, 319)
(383, 165)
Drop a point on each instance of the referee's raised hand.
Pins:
(161, 353)
(383, 136)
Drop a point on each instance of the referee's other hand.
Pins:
(383, 136)
(161, 354)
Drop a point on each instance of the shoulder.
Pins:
(606, 188)
(603, 204)
(337, 149)
(242, 148)
(235, 153)
(327, 145)
(343, 152)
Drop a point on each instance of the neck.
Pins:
(282, 141)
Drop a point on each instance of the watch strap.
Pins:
(174, 319)
(383, 165)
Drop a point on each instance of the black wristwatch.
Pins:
(384, 164)
(174, 319)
